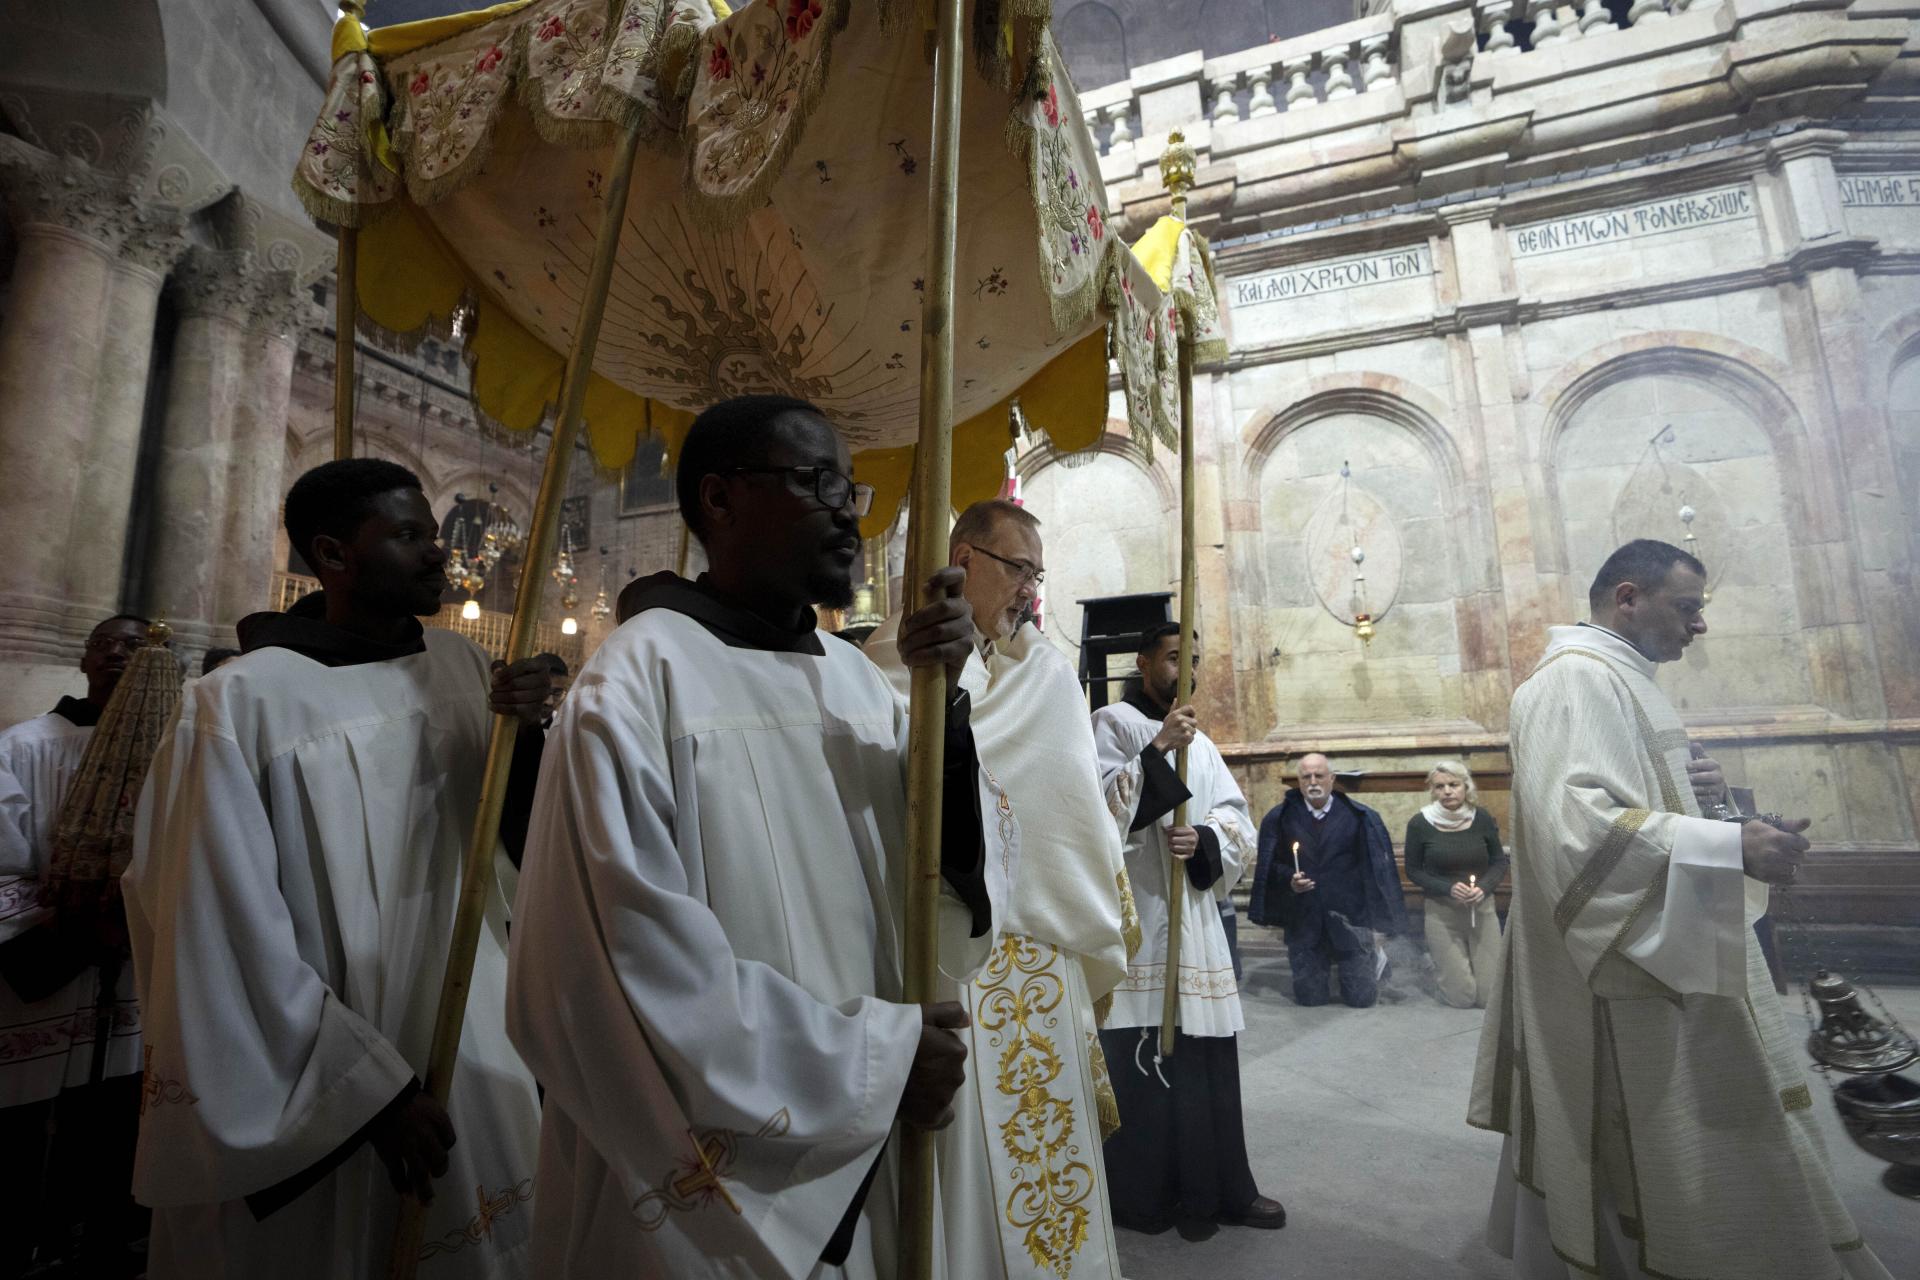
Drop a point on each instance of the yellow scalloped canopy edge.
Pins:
(408, 281)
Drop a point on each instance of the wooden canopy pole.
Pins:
(1176, 869)
(1176, 174)
(926, 554)
(345, 307)
(477, 874)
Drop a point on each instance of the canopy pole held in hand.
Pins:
(476, 877)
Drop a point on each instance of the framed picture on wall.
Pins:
(644, 488)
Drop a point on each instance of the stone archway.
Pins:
(1404, 499)
(1640, 437)
(1109, 519)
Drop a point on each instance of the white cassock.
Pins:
(1029, 1122)
(46, 1045)
(1209, 1003)
(297, 861)
(706, 956)
(1658, 1116)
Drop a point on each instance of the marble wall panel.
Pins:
(1108, 531)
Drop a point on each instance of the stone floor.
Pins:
(1354, 1123)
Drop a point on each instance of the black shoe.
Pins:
(1193, 1230)
(1263, 1213)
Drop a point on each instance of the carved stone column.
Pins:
(74, 351)
(185, 551)
(255, 477)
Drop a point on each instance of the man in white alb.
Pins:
(1656, 1106)
(50, 980)
(1064, 940)
(1180, 1156)
(297, 859)
(706, 971)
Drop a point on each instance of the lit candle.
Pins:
(1296, 857)
(1473, 881)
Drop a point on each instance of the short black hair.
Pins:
(1150, 638)
(555, 663)
(122, 617)
(214, 657)
(1645, 562)
(732, 433)
(335, 497)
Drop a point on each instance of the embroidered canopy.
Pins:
(776, 232)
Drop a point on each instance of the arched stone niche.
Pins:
(1642, 436)
(1110, 521)
(1401, 502)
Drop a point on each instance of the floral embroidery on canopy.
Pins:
(339, 173)
(502, 124)
(765, 67)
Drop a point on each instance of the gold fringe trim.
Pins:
(339, 213)
(1104, 1103)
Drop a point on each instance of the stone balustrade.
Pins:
(1432, 92)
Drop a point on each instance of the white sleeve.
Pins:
(20, 908)
(1233, 823)
(266, 1071)
(1693, 935)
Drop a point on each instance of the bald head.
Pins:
(1316, 779)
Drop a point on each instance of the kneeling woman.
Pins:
(1453, 854)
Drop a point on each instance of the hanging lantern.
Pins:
(602, 604)
(1687, 515)
(1362, 616)
(470, 610)
(569, 627)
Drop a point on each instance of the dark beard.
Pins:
(834, 590)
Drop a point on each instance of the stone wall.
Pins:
(1539, 293)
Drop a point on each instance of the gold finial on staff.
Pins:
(1176, 171)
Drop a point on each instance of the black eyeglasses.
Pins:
(1024, 571)
(830, 488)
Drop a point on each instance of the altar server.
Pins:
(707, 949)
(1069, 928)
(298, 858)
(50, 980)
(1657, 1109)
(1180, 1157)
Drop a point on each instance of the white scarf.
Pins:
(1444, 819)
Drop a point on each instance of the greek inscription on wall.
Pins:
(1879, 190)
(1656, 217)
(1314, 278)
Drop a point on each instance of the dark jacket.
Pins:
(1357, 885)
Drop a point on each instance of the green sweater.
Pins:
(1438, 860)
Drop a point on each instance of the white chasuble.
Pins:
(46, 1045)
(1209, 1003)
(1029, 1122)
(1634, 1050)
(706, 957)
(297, 861)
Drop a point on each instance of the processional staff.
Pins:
(1176, 174)
(931, 502)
